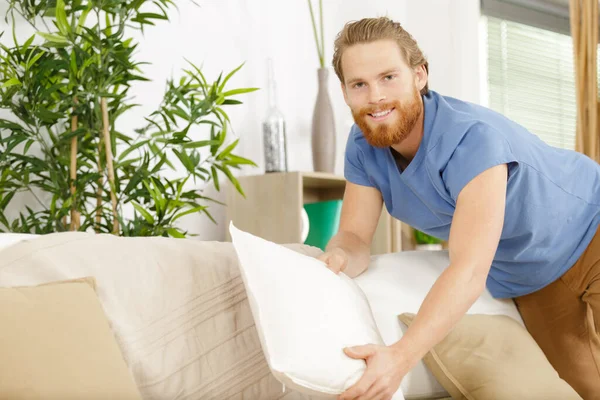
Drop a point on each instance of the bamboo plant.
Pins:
(319, 34)
(66, 87)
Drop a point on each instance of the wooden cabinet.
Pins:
(273, 203)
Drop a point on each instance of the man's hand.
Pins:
(335, 259)
(385, 369)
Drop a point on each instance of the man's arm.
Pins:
(350, 249)
(474, 237)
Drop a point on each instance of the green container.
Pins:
(323, 221)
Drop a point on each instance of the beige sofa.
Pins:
(176, 315)
(177, 308)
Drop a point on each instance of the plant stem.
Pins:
(36, 197)
(109, 162)
(75, 222)
(100, 186)
(314, 25)
(322, 34)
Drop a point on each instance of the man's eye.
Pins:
(358, 85)
(389, 77)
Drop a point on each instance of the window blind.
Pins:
(531, 79)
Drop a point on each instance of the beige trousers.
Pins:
(564, 319)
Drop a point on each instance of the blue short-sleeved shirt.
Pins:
(552, 201)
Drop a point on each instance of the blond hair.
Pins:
(368, 30)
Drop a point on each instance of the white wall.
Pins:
(221, 34)
(448, 33)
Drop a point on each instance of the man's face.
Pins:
(382, 91)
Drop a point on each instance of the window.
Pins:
(531, 79)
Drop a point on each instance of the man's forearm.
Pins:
(449, 299)
(359, 254)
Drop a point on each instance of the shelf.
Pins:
(273, 204)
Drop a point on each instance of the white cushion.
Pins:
(397, 283)
(305, 315)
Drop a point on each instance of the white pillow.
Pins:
(305, 315)
(397, 283)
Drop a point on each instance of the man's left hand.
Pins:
(385, 369)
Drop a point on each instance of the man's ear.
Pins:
(421, 77)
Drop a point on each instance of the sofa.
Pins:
(178, 312)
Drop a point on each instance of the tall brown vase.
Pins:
(323, 128)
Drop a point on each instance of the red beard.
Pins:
(386, 134)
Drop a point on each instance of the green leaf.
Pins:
(34, 59)
(231, 102)
(191, 211)
(227, 150)
(229, 76)
(239, 91)
(53, 38)
(175, 233)
(220, 111)
(185, 160)
(232, 179)
(210, 216)
(82, 19)
(180, 112)
(26, 45)
(157, 152)
(28, 145)
(135, 180)
(181, 98)
(11, 82)
(200, 143)
(61, 18)
(205, 121)
(5, 200)
(237, 160)
(144, 213)
(73, 64)
(215, 177)
(132, 148)
(152, 16)
(108, 25)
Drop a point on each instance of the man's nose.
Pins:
(375, 94)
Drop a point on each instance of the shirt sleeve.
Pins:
(354, 165)
(481, 148)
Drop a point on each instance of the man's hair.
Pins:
(368, 30)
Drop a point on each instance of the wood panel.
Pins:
(271, 208)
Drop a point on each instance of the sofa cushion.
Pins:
(397, 283)
(56, 342)
(493, 357)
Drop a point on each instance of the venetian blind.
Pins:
(531, 79)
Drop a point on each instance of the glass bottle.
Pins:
(274, 130)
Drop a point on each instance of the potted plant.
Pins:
(426, 242)
(66, 87)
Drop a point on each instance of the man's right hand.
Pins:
(336, 259)
(349, 250)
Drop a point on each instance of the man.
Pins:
(520, 216)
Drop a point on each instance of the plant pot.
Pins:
(323, 127)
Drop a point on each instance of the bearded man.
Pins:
(520, 217)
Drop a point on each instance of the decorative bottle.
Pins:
(274, 130)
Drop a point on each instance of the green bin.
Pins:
(323, 221)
